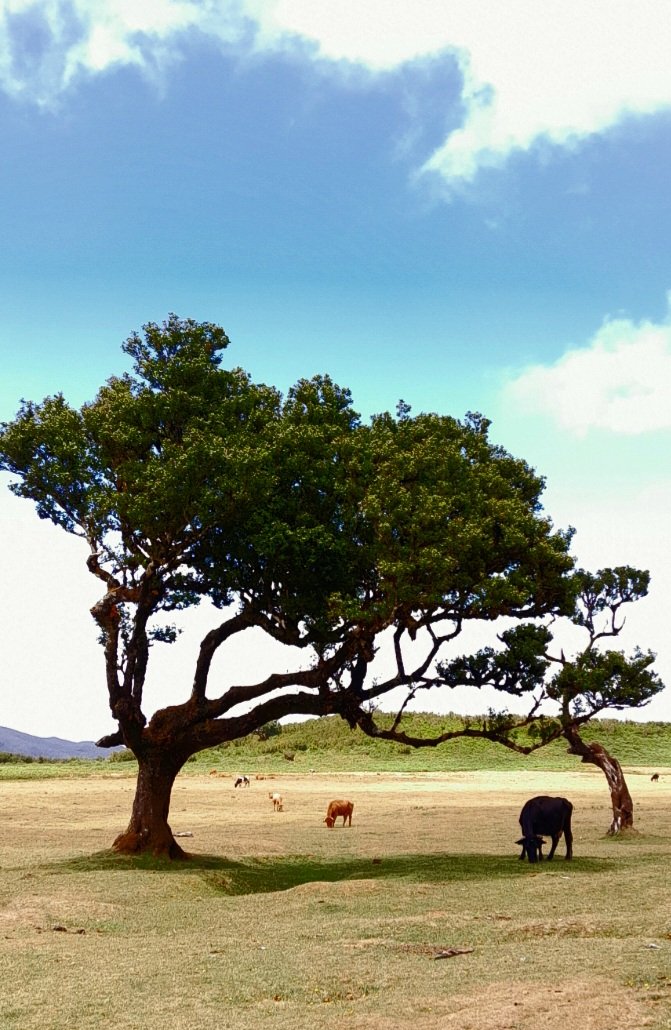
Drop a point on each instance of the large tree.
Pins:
(187, 481)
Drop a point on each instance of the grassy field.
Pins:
(279, 922)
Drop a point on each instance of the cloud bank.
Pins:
(556, 71)
(620, 382)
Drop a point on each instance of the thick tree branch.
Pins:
(209, 644)
(367, 725)
(111, 740)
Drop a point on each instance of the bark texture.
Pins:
(148, 829)
(596, 754)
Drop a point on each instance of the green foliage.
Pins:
(606, 591)
(10, 758)
(543, 729)
(456, 522)
(319, 519)
(608, 679)
(587, 682)
(518, 668)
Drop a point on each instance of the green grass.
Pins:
(328, 745)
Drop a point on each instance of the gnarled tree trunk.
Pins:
(596, 754)
(149, 830)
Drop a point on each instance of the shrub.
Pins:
(122, 756)
(271, 729)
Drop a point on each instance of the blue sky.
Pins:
(464, 207)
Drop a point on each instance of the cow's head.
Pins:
(330, 820)
(532, 847)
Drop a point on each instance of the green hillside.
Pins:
(328, 745)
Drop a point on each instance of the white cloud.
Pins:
(533, 70)
(377, 34)
(557, 70)
(620, 382)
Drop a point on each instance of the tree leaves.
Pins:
(596, 680)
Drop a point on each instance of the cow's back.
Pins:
(544, 814)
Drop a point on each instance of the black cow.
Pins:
(551, 816)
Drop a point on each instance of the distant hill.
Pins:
(16, 743)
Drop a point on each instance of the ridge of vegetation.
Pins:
(328, 745)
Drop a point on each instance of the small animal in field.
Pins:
(242, 781)
(277, 800)
(551, 816)
(336, 808)
(655, 778)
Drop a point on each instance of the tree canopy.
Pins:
(187, 480)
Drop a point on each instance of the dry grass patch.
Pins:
(594, 1004)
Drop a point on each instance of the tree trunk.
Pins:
(596, 754)
(148, 830)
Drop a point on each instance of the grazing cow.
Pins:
(655, 777)
(242, 781)
(336, 808)
(277, 800)
(551, 816)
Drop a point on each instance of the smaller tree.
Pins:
(595, 681)
(573, 689)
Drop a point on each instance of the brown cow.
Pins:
(336, 808)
